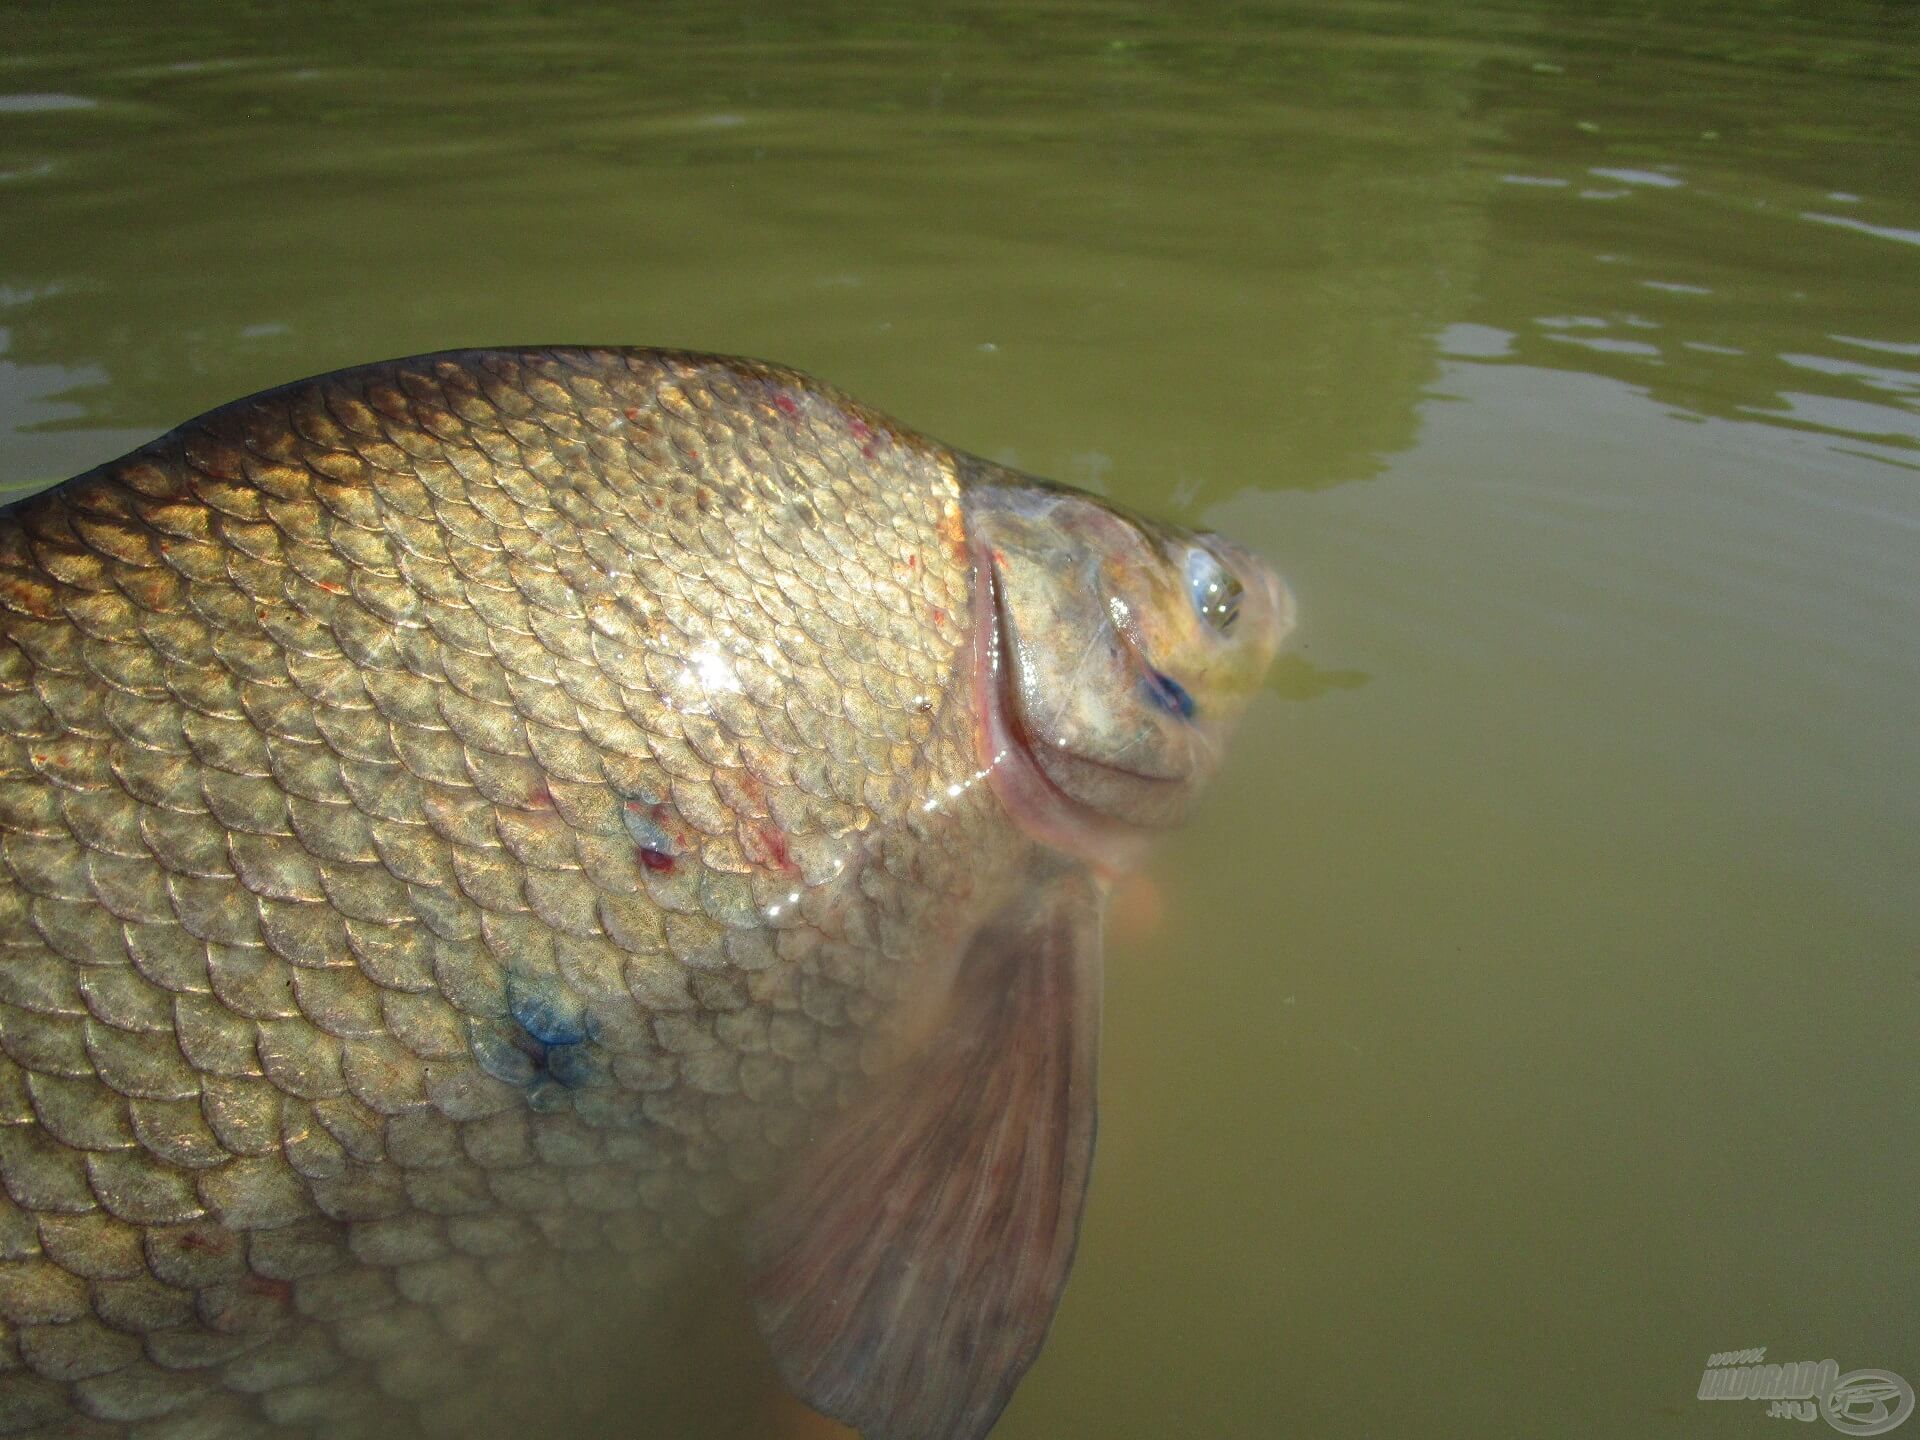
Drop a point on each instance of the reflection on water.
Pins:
(1011, 207)
(1534, 1015)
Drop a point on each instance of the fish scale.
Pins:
(342, 1015)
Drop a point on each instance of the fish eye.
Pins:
(1214, 589)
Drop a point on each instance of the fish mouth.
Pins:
(1028, 794)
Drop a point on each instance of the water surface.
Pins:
(1533, 1012)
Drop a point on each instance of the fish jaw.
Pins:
(1041, 809)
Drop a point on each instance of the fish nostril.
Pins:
(1169, 694)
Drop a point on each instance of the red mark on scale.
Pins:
(953, 530)
(656, 846)
(767, 845)
(785, 402)
(279, 1291)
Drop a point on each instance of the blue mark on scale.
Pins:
(544, 1046)
(547, 1011)
(575, 1066)
(647, 832)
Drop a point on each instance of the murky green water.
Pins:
(1534, 1011)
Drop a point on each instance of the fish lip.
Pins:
(1025, 791)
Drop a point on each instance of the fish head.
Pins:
(1114, 657)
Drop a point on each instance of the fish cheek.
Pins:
(905, 1272)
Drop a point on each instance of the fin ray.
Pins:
(905, 1273)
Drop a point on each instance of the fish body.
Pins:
(496, 816)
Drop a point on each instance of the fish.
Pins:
(487, 822)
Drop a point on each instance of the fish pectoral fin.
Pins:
(905, 1273)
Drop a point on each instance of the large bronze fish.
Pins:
(487, 816)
